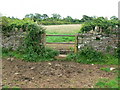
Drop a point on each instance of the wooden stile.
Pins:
(74, 43)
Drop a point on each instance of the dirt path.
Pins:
(55, 74)
(61, 46)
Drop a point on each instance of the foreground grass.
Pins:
(86, 57)
(89, 55)
(12, 88)
(107, 83)
(31, 57)
(107, 60)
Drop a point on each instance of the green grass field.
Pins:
(70, 29)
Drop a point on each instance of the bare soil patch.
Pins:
(54, 74)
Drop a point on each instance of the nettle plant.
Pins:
(34, 48)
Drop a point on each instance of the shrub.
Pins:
(6, 52)
(50, 53)
(87, 55)
(106, 25)
(86, 27)
(33, 46)
(9, 25)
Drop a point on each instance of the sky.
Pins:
(73, 8)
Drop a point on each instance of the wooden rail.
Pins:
(66, 35)
(62, 35)
(58, 43)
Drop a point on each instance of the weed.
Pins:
(106, 83)
(108, 48)
(110, 59)
(12, 88)
(106, 69)
(88, 55)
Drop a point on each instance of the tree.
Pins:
(86, 18)
(56, 16)
(114, 18)
(68, 19)
(31, 16)
(45, 16)
(38, 16)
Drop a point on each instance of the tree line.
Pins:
(56, 19)
(88, 22)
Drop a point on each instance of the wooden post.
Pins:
(44, 39)
(82, 38)
(76, 44)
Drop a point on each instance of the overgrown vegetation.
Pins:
(10, 25)
(90, 56)
(32, 48)
(103, 25)
(30, 56)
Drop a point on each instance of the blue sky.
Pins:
(74, 8)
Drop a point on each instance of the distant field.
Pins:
(70, 29)
(63, 29)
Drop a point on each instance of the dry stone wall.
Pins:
(101, 42)
(13, 39)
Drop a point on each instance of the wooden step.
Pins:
(65, 51)
(61, 56)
